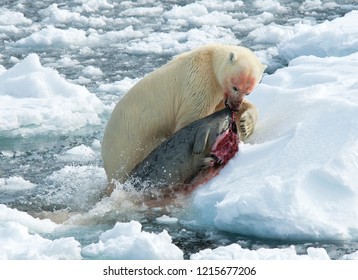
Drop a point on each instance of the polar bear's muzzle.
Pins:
(234, 105)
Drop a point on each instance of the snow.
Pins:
(330, 38)
(250, 24)
(13, 18)
(229, 6)
(235, 252)
(20, 238)
(352, 256)
(90, 71)
(119, 87)
(197, 15)
(166, 219)
(78, 153)
(52, 36)
(273, 33)
(316, 4)
(176, 42)
(270, 6)
(94, 5)
(294, 180)
(15, 183)
(306, 187)
(18, 244)
(152, 12)
(30, 95)
(127, 241)
(54, 15)
(8, 215)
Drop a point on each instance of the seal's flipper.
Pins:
(201, 138)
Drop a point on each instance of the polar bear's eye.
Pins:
(235, 88)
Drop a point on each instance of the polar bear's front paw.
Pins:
(247, 123)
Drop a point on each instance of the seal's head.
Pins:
(226, 144)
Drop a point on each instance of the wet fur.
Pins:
(186, 89)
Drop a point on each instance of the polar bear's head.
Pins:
(239, 74)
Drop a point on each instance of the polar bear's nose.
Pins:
(233, 105)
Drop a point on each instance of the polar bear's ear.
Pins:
(263, 67)
(232, 57)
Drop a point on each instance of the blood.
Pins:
(224, 149)
(244, 83)
(226, 145)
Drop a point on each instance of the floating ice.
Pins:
(8, 17)
(176, 42)
(119, 87)
(219, 5)
(52, 36)
(15, 183)
(94, 5)
(20, 239)
(272, 6)
(127, 241)
(330, 38)
(54, 15)
(167, 220)
(143, 11)
(35, 100)
(352, 256)
(18, 244)
(197, 15)
(273, 33)
(78, 153)
(251, 23)
(309, 6)
(33, 224)
(296, 178)
(235, 252)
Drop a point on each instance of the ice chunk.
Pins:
(127, 241)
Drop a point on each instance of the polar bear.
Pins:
(191, 86)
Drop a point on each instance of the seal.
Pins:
(191, 156)
(191, 86)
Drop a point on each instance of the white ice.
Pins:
(15, 183)
(330, 38)
(78, 153)
(30, 95)
(127, 241)
(20, 238)
(166, 220)
(18, 244)
(295, 179)
(235, 252)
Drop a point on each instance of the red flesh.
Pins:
(225, 146)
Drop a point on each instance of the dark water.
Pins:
(35, 158)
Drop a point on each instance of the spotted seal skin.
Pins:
(191, 156)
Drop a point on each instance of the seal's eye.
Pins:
(235, 88)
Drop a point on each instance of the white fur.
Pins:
(188, 88)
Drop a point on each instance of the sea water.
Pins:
(291, 190)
